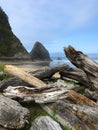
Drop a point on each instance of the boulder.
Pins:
(12, 114)
(39, 52)
(10, 45)
(45, 123)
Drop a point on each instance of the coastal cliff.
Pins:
(10, 45)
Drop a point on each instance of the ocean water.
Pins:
(60, 58)
(57, 59)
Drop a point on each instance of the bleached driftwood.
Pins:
(45, 123)
(86, 64)
(53, 92)
(25, 76)
(25, 94)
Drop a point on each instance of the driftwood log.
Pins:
(48, 72)
(80, 99)
(75, 74)
(45, 123)
(93, 95)
(29, 77)
(14, 81)
(84, 63)
(52, 93)
(12, 114)
(70, 108)
(74, 116)
(25, 76)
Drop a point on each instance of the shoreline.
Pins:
(27, 65)
(25, 62)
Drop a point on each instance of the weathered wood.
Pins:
(14, 81)
(76, 117)
(25, 76)
(12, 114)
(93, 95)
(80, 99)
(53, 92)
(85, 63)
(75, 74)
(48, 72)
(45, 123)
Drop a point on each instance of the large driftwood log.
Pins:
(53, 92)
(25, 76)
(12, 114)
(26, 94)
(85, 63)
(75, 74)
(41, 74)
(76, 117)
(48, 72)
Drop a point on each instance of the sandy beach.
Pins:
(29, 65)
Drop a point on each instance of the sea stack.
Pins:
(10, 45)
(39, 52)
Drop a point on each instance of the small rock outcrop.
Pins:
(12, 114)
(39, 52)
(10, 45)
(45, 123)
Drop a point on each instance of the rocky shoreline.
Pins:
(70, 100)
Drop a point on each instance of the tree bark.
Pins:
(85, 63)
(25, 76)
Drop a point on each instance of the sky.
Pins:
(54, 23)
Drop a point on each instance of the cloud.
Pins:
(49, 20)
(49, 14)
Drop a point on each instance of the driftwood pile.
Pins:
(77, 111)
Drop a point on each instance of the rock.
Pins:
(12, 114)
(10, 45)
(45, 123)
(58, 58)
(39, 52)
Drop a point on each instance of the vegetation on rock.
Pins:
(10, 46)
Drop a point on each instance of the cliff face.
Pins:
(39, 52)
(10, 46)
